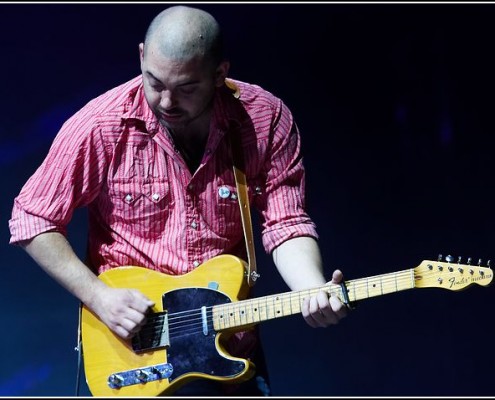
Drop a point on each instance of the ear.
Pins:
(141, 52)
(221, 73)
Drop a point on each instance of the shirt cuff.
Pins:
(25, 226)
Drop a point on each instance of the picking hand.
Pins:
(123, 310)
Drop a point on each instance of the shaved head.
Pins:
(182, 33)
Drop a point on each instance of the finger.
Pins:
(305, 309)
(134, 316)
(129, 327)
(320, 310)
(140, 302)
(326, 311)
(128, 323)
(337, 276)
(338, 307)
(322, 300)
(122, 332)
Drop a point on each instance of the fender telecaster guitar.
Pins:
(194, 313)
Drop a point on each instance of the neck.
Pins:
(190, 143)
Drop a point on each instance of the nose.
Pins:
(167, 99)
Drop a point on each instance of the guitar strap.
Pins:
(78, 348)
(242, 195)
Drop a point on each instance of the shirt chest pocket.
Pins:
(140, 208)
(227, 212)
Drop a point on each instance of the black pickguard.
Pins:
(192, 351)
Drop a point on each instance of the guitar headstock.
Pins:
(451, 275)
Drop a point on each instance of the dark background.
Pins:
(395, 106)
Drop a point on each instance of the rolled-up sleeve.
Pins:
(285, 213)
(69, 177)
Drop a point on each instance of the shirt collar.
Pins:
(137, 108)
(226, 110)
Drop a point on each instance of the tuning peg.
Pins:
(439, 257)
(449, 258)
(459, 259)
(488, 264)
(469, 261)
(479, 261)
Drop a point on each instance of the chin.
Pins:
(173, 124)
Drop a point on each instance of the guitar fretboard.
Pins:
(253, 311)
(373, 286)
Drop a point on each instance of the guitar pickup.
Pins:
(153, 335)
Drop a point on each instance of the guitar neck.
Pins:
(252, 311)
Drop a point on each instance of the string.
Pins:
(237, 314)
(188, 321)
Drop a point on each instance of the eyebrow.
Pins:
(153, 76)
(180, 84)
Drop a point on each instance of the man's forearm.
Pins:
(299, 263)
(53, 253)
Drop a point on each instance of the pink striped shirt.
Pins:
(145, 207)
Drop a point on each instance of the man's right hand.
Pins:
(122, 310)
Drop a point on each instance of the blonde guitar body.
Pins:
(197, 353)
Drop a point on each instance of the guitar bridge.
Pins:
(153, 335)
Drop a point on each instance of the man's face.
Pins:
(179, 92)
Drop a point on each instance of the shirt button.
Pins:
(155, 196)
(194, 225)
(190, 187)
(128, 198)
(223, 192)
(196, 263)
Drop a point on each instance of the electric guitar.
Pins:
(195, 313)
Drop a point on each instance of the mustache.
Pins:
(170, 111)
